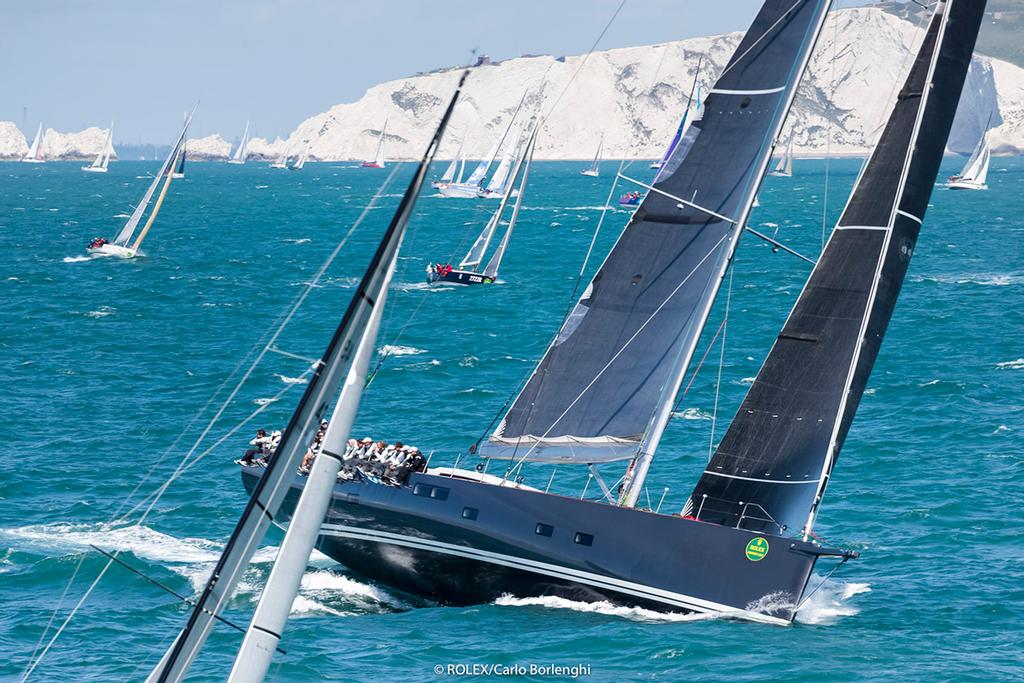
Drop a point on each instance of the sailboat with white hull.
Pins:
(242, 151)
(102, 160)
(474, 185)
(594, 170)
(120, 246)
(302, 159)
(378, 157)
(975, 173)
(458, 163)
(35, 151)
(603, 392)
(784, 169)
(466, 273)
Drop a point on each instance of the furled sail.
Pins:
(133, 221)
(606, 383)
(774, 461)
(323, 389)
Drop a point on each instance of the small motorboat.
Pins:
(630, 199)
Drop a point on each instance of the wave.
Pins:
(692, 414)
(1011, 364)
(76, 259)
(392, 350)
(141, 541)
(101, 312)
(293, 380)
(830, 602)
(300, 240)
(981, 279)
(605, 608)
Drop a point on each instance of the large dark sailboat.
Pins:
(604, 388)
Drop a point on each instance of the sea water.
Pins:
(109, 367)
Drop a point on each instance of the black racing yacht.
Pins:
(604, 389)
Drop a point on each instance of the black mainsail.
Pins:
(268, 495)
(778, 453)
(604, 388)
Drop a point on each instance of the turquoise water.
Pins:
(106, 362)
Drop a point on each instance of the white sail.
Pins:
(282, 159)
(35, 152)
(239, 156)
(133, 220)
(378, 158)
(491, 270)
(481, 171)
(595, 168)
(500, 177)
(785, 165)
(99, 164)
(449, 174)
(976, 170)
(301, 161)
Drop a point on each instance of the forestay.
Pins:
(777, 455)
(609, 376)
(322, 389)
(133, 221)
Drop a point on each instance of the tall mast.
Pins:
(270, 490)
(649, 445)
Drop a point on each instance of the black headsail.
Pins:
(322, 389)
(777, 455)
(604, 388)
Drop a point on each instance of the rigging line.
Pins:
(650, 94)
(779, 245)
(164, 587)
(707, 351)
(53, 615)
(771, 28)
(285, 319)
(81, 601)
(583, 62)
(828, 128)
(692, 205)
(721, 363)
(629, 341)
(823, 581)
(199, 458)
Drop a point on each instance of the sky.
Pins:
(77, 63)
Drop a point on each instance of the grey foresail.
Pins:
(774, 461)
(322, 389)
(619, 355)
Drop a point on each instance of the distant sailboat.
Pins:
(301, 161)
(466, 273)
(239, 156)
(595, 168)
(35, 152)
(694, 88)
(179, 167)
(474, 185)
(99, 165)
(784, 169)
(975, 173)
(458, 163)
(120, 247)
(498, 186)
(378, 159)
(282, 160)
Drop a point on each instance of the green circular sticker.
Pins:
(757, 549)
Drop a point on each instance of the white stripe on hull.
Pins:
(618, 585)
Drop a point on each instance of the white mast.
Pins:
(271, 614)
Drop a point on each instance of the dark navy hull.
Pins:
(459, 277)
(462, 542)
